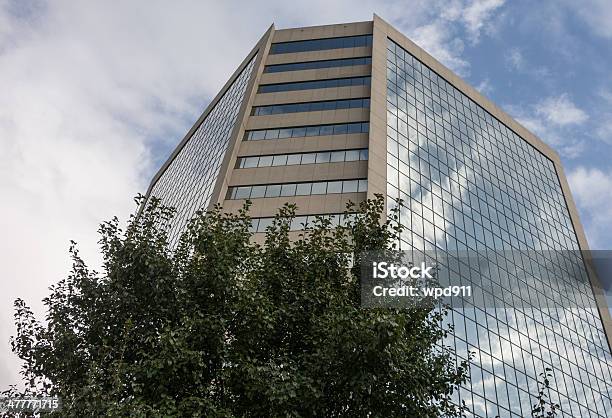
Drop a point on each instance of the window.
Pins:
(283, 133)
(313, 131)
(321, 44)
(353, 129)
(188, 180)
(257, 135)
(265, 161)
(342, 129)
(319, 188)
(321, 157)
(460, 167)
(288, 189)
(243, 192)
(314, 84)
(279, 160)
(334, 187)
(307, 131)
(251, 162)
(309, 158)
(310, 106)
(350, 186)
(353, 155)
(363, 186)
(273, 190)
(354, 103)
(258, 191)
(298, 132)
(294, 159)
(303, 189)
(327, 130)
(299, 222)
(345, 104)
(297, 189)
(337, 156)
(310, 65)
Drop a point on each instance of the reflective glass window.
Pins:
(322, 157)
(309, 158)
(470, 182)
(337, 156)
(273, 190)
(315, 84)
(303, 189)
(258, 191)
(288, 189)
(334, 187)
(350, 186)
(319, 188)
(294, 159)
(321, 44)
(298, 66)
(279, 160)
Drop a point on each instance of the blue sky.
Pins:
(94, 96)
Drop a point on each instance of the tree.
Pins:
(544, 407)
(221, 326)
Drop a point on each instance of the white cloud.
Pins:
(597, 14)
(439, 24)
(515, 59)
(606, 95)
(592, 189)
(435, 39)
(558, 136)
(604, 129)
(477, 14)
(560, 110)
(485, 87)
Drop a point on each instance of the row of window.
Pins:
(496, 171)
(311, 106)
(315, 84)
(302, 222)
(188, 182)
(311, 65)
(302, 131)
(303, 158)
(321, 44)
(297, 189)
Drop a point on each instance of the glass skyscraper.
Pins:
(322, 115)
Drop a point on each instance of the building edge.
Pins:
(264, 40)
(222, 182)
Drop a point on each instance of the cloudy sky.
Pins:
(94, 95)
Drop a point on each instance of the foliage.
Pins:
(222, 326)
(544, 407)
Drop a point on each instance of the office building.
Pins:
(322, 115)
